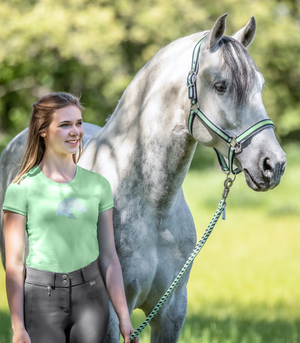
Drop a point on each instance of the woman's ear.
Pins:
(43, 134)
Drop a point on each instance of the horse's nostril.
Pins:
(268, 170)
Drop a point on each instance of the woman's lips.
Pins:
(73, 142)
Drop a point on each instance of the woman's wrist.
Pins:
(124, 316)
(18, 327)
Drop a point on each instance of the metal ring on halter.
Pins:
(239, 149)
(227, 185)
(229, 181)
(197, 106)
(194, 75)
(234, 144)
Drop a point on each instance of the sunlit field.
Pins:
(245, 283)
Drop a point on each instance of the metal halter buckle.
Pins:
(234, 144)
(193, 79)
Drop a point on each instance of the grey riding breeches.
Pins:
(66, 308)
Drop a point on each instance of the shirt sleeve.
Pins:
(15, 199)
(106, 201)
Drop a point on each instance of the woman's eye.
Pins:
(221, 87)
(67, 125)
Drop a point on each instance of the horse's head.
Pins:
(229, 87)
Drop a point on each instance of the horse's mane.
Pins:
(237, 62)
(240, 65)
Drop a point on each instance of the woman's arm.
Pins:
(112, 273)
(14, 230)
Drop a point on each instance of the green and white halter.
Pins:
(234, 143)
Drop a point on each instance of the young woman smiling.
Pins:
(59, 296)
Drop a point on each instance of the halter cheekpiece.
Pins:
(234, 143)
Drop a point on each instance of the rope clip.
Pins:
(227, 185)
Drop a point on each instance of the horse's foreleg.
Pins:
(167, 324)
(113, 333)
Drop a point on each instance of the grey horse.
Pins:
(145, 151)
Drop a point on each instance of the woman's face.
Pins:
(65, 132)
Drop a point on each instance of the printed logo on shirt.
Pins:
(67, 206)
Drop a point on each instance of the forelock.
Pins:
(241, 67)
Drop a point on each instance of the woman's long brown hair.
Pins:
(40, 120)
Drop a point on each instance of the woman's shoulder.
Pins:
(17, 193)
(96, 179)
(91, 174)
(26, 179)
(97, 184)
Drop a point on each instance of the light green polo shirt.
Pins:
(61, 218)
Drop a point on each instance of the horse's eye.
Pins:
(221, 87)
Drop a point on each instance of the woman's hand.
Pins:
(21, 336)
(126, 330)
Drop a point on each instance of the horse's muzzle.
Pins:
(267, 176)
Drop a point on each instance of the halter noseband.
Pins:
(234, 143)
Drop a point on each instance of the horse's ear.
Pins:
(217, 31)
(247, 33)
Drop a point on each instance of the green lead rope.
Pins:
(221, 209)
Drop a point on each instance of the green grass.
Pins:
(244, 284)
(5, 331)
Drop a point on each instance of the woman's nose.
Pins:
(74, 131)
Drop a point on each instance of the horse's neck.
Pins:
(146, 144)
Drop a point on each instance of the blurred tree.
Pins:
(95, 47)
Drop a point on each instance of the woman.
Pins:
(67, 213)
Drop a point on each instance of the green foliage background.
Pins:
(95, 47)
(244, 287)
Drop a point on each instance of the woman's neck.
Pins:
(57, 169)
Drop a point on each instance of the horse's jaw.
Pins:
(263, 162)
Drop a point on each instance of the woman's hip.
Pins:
(59, 300)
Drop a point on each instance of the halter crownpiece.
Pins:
(234, 143)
